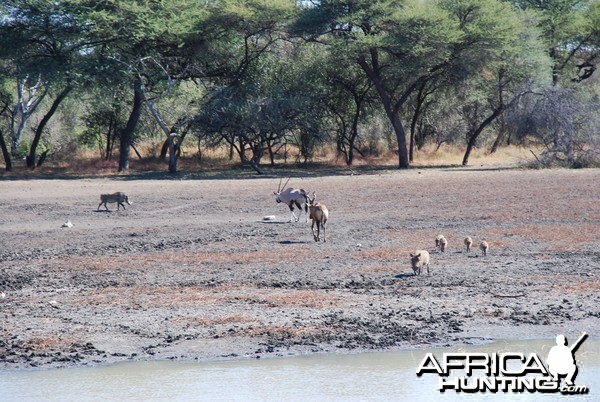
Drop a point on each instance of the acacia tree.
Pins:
(421, 101)
(230, 41)
(400, 46)
(263, 109)
(571, 32)
(30, 93)
(5, 100)
(349, 102)
(247, 121)
(158, 43)
(133, 40)
(515, 66)
(45, 40)
(249, 106)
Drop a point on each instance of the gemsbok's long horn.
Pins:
(279, 186)
(283, 188)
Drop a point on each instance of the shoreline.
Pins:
(324, 353)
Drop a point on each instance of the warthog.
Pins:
(119, 198)
(484, 247)
(419, 259)
(437, 240)
(443, 244)
(468, 243)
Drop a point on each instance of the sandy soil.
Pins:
(191, 271)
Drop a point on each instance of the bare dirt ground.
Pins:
(191, 271)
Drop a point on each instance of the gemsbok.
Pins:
(319, 214)
(119, 198)
(292, 197)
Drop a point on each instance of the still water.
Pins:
(332, 377)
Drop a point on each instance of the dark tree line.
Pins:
(261, 77)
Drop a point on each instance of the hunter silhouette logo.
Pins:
(561, 359)
(508, 371)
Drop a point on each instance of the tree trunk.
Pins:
(24, 109)
(164, 149)
(178, 127)
(5, 153)
(109, 136)
(40, 128)
(136, 151)
(42, 158)
(403, 162)
(350, 156)
(127, 133)
(413, 122)
(393, 115)
(256, 167)
(470, 146)
(353, 134)
(173, 144)
(411, 146)
(499, 138)
(472, 138)
(16, 139)
(271, 153)
(257, 153)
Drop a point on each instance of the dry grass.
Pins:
(153, 297)
(300, 254)
(42, 345)
(194, 296)
(582, 288)
(87, 162)
(453, 155)
(301, 298)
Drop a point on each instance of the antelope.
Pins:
(290, 197)
(319, 215)
(119, 198)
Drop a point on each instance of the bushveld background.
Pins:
(255, 82)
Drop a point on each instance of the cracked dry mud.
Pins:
(191, 271)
